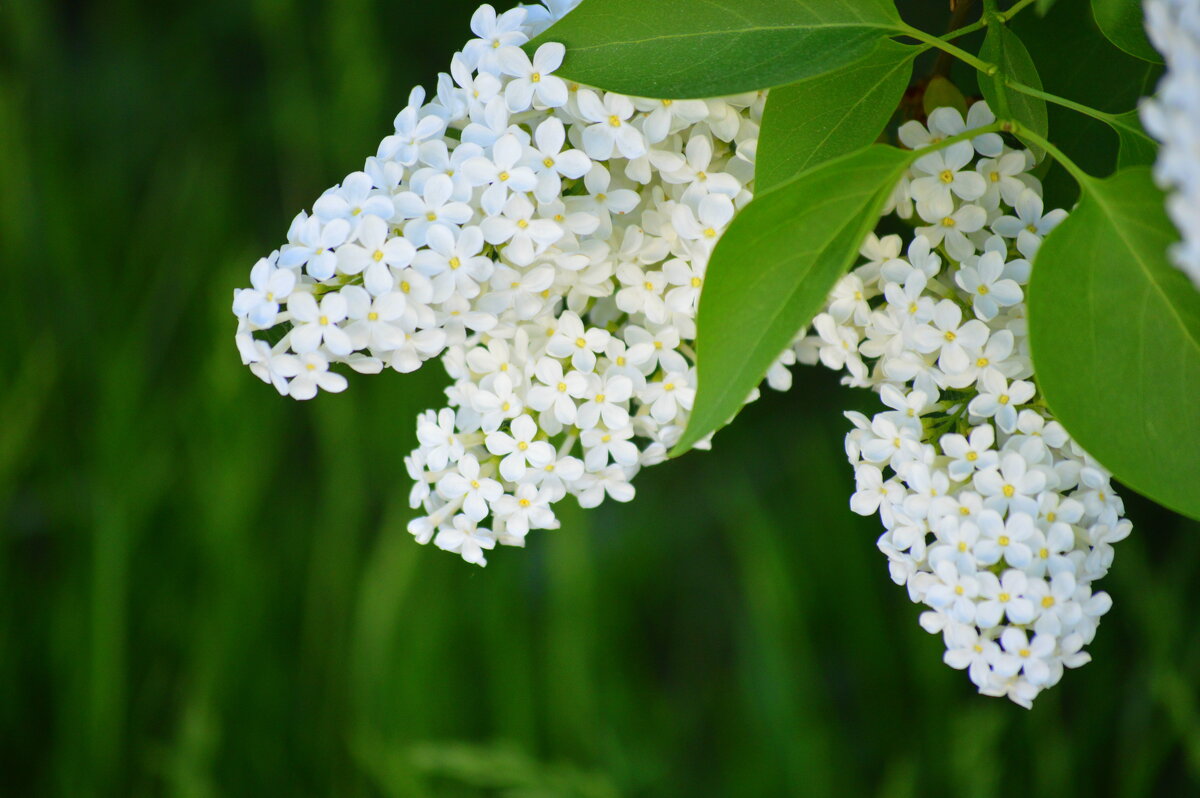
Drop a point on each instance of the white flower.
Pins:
(611, 131)
(307, 373)
(551, 162)
(467, 483)
(1012, 486)
(1029, 226)
(1004, 539)
(533, 78)
(571, 339)
(999, 399)
(970, 455)
(943, 176)
(501, 173)
(260, 304)
(528, 508)
(353, 201)
(519, 450)
(558, 391)
(319, 324)
(435, 206)
(312, 245)
(454, 259)
(495, 33)
(985, 283)
(952, 229)
(1172, 116)
(374, 255)
(466, 538)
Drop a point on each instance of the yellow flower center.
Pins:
(323, 320)
(1008, 491)
(581, 342)
(1048, 601)
(972, 457)
(377, 255)
(454, 262)
(946, 176)
(548, 162)
(536, 77)
(948, 221)
(1004, 540)
(372, 316)
(522, 446)
(614, 120)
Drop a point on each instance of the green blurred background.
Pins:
(208, 590)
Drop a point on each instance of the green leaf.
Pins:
(1043, 6)
(1136, 148)
(773, 269)
(1115, 334)
(710, 48)
(1004, 48)
(1123, 24)
(823, 117)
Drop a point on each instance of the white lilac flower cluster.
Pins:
(548, 243)
(1173, 117)
(995, 519)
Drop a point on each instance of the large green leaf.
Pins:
(829, 115)
(1122, 22)
(773, 269)
(1115, 334)
(1004, 48)
(1136, 148)
(709, 48)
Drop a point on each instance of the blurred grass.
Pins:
(208, 591)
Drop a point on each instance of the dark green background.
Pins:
(207, 590)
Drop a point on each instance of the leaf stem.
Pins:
(945, 46)
(1086, 110)
(1012, 12)
(1081, 177)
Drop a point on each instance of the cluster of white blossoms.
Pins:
(548, 243)
(995, 519)
(1173, 117)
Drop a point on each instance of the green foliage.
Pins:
(1004, 49)
(941, 93)
(818, 119)
(772, 270)
(708, 48)
(1075, 60)
(1122, 21)
(1136, 148)
(1115, 332)
(209, 591)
